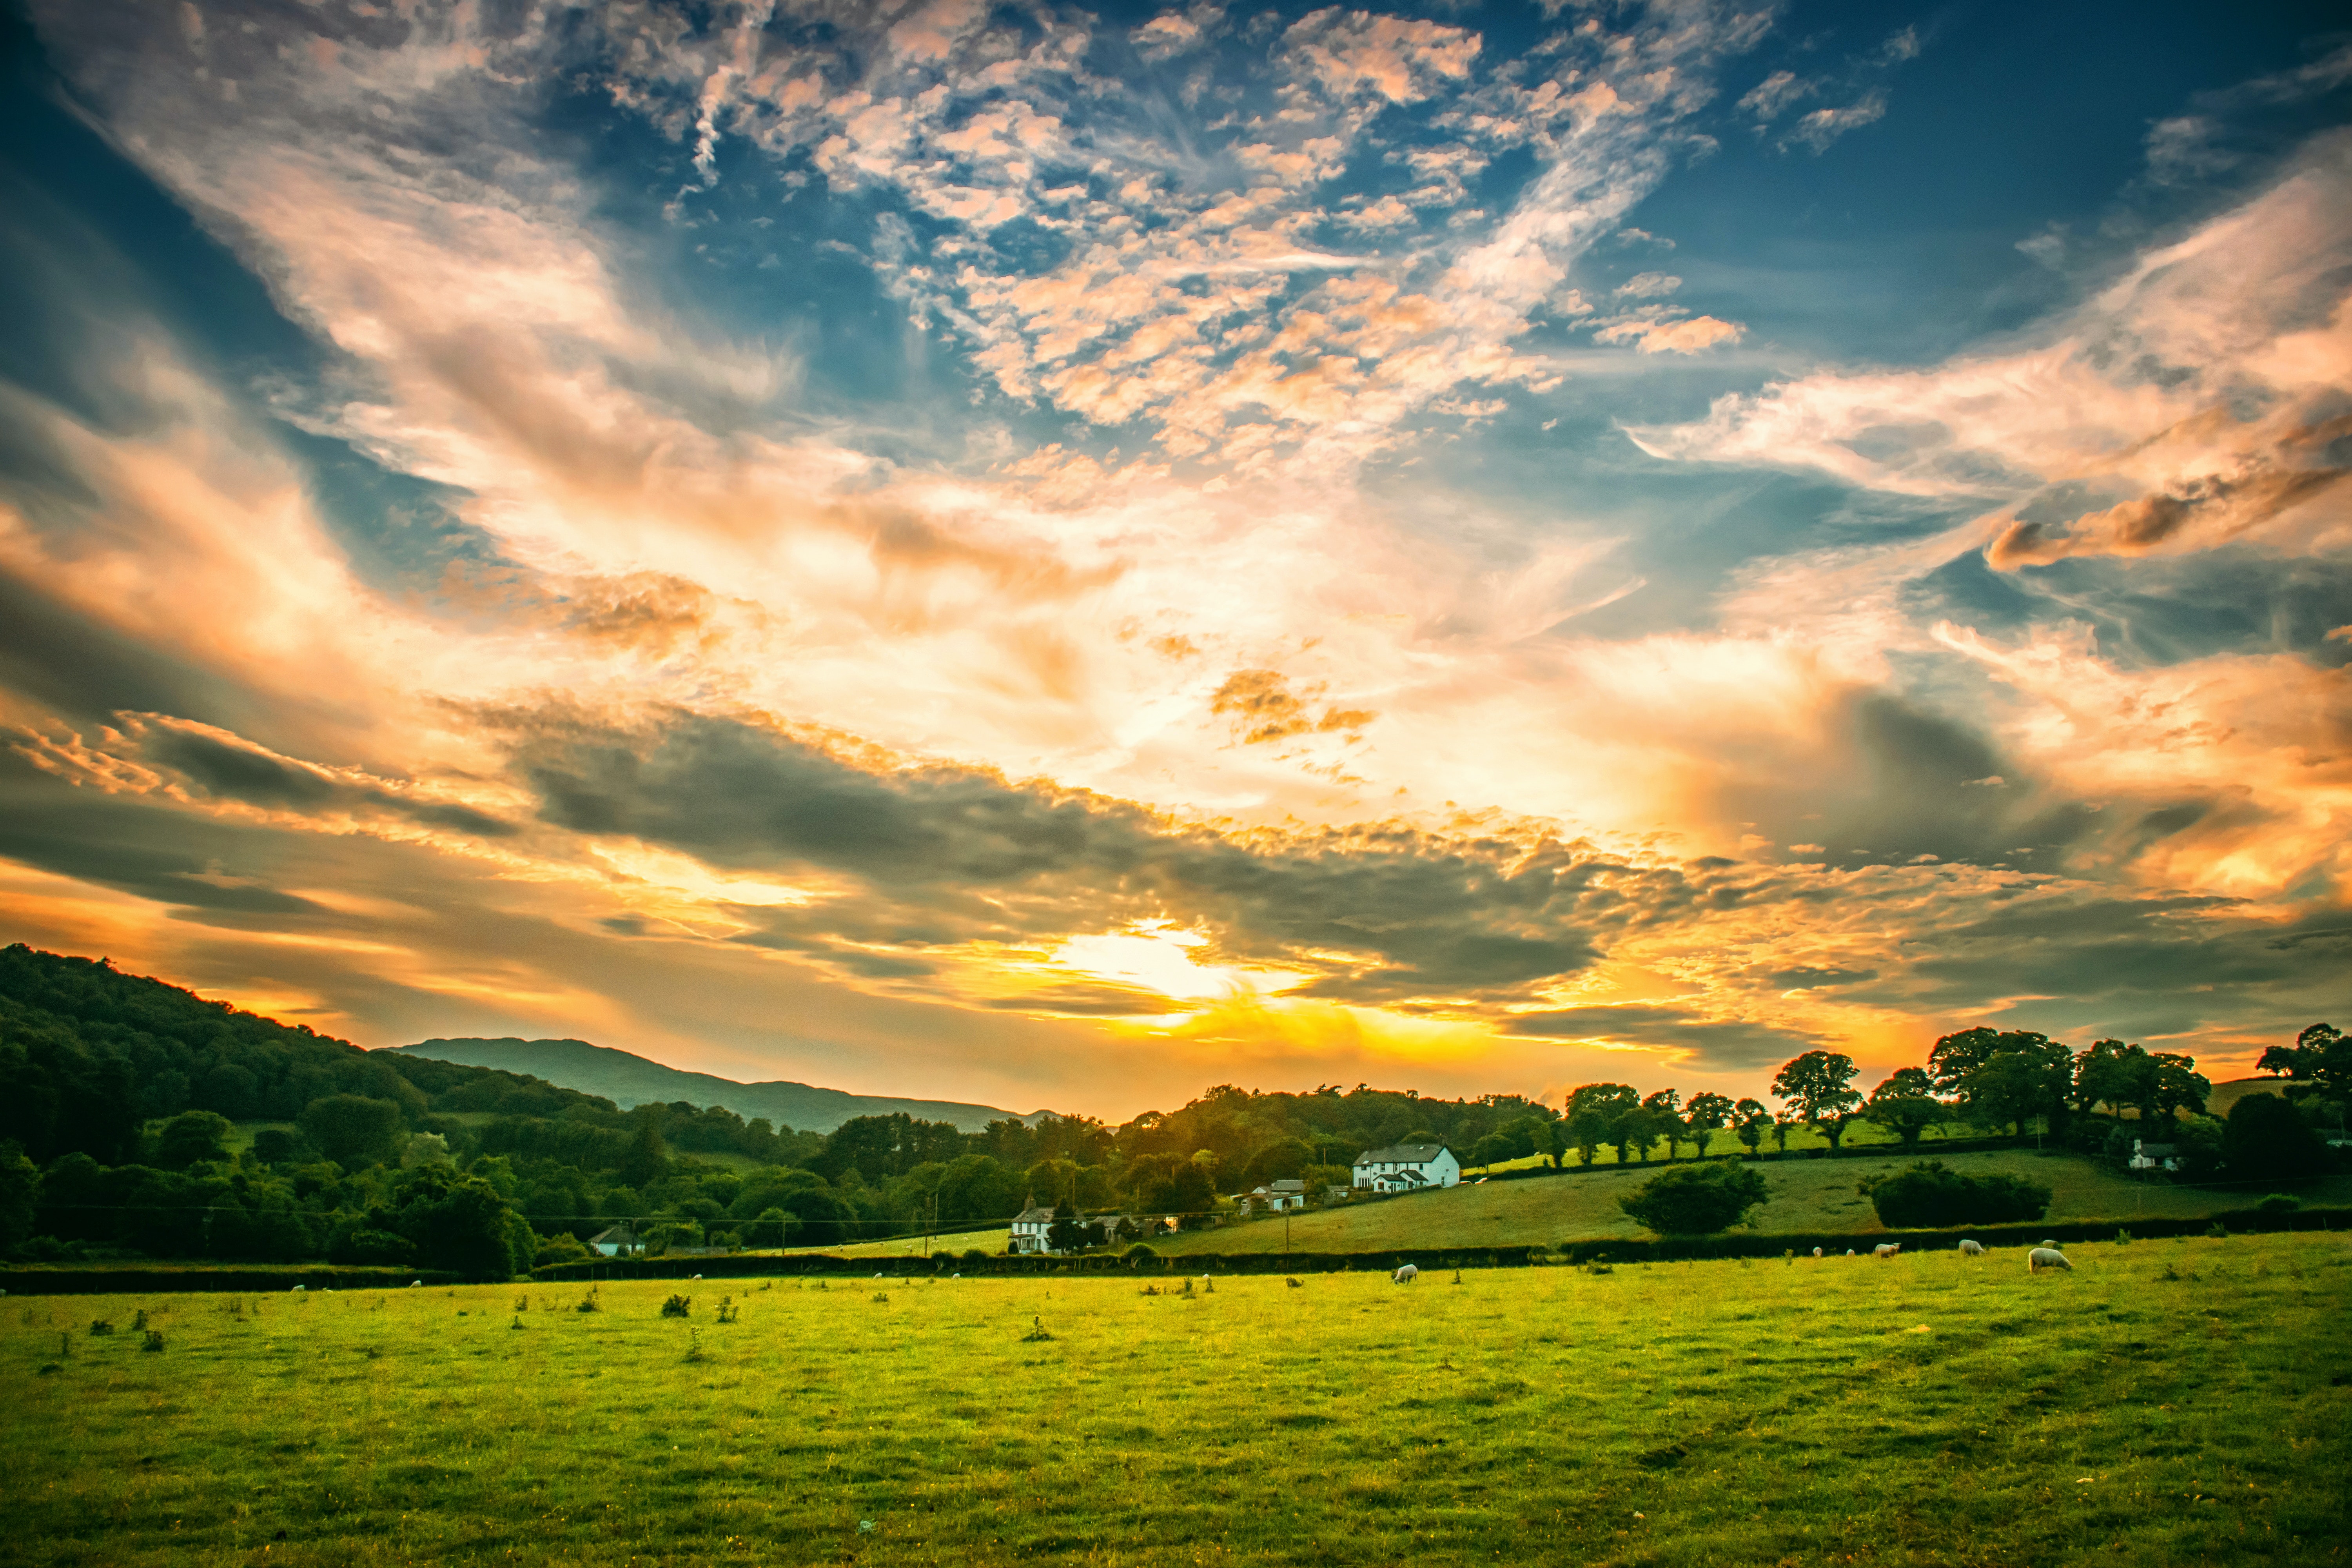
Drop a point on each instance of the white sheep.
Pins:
(1972, 1249)
(1817, 1252)
(1849, 1252)
(1407, 1274)
(1886, 1249)
(300, 1290)
(2042, 1257)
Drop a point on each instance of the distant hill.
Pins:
(627, 1080)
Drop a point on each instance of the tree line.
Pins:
(119, 1098)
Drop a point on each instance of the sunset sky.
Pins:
(1061, 556)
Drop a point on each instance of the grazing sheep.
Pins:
(1972, 1249)
(1817, 1252)
(1407, 1274)
(1886, 1249)
(2042, 1257)
(1849, 1252)
(300, 1290)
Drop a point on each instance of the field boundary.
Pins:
(116, 1279)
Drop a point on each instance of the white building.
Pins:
(2147, 1156)
(1029, 1228)
(1407, 1168)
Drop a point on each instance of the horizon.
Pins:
(1068, 555)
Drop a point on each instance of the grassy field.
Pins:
(989, 1241)
(2168, 1403)
(1807, 1195)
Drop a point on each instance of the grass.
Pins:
(992, 1241)
(2168, 1403)
(1807, 1195)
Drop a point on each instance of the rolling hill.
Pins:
(627, 1080)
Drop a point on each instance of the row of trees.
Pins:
(372, 1138)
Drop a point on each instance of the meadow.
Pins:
(2167, 1403)
(1807, 1195)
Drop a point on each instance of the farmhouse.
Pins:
(2147, 1156)
(1407, 1168)
(618, 1241)
(1029, 1228)
(1280, 1197)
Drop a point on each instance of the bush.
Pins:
(2278, 1203)
(1140, 1252)
(1697, 1200)
(1930, 1195)
(561, 1248)
(677, 1307)
(2266, 1140)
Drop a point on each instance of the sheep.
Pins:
(1972, 1249)
(1849, 1252)
(1407, 1274)
(1817, 1252)
(300, 1290)
(2042, 1257)
(1886, 1249)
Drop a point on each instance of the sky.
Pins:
(1059, 556)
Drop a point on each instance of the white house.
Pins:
(1029, 1228)
(1280, 1197)
(619, 1239)
(1407, 1168)
(2147, 1156)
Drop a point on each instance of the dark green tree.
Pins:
(2004, 1078)
(2267, 1140)
(1753, 1122)
(354, 1131)
(460, 1223)
(1705, 1115)
(1697, 1200)
(193, 1137)
(1905, 1105)
(647, 1161)
(1931, 1195)
(1816, 1087)
(1665, 1121)
(20, 1188)
(1067, 1232)
(1599, 1114)
(2320, 1059)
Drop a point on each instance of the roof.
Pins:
(1035, 1214)
(1290, 1184)
(2160, 1149)
(1402, 1154)
(619, 1235)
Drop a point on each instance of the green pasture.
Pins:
(1807, 1195)
(2182, 1402)
(992, 1241)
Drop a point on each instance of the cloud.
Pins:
(1689, 335)
(1265, 708)
(1692, 1038)
(1649, 286)
(1823, 126)
(1767, 99)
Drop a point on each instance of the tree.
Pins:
(1814, 1086)
(1707, 1114)
(2321, 1058)
(1753, 1122)
(2174, 1086)
(1697, 1200)
(1067, 1233)
(1931, 1195)
(1551, 1141)
(193, 1138)
(20, 1186)
(1781, 1126)
(1598, 1115)
(647, 1161)
(353, 1130)
(2266, 1140)
(1492, 1150)
(1905, 1105)
(2004, 1078)
(773, 1227)
(1664, 1119)
(460, 1223)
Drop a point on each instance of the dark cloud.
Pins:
(234, 771)
(952, 855)
(1087, 1001)
(1713, 1045)
(1817, 979)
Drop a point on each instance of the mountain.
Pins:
(627, 1080)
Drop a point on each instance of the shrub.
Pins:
(561, 1248)
(2278, 1203)
(677, 1307)
(1142, 1252)
(2266, 1140)
(1697, 1200)
(1930, 1195)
